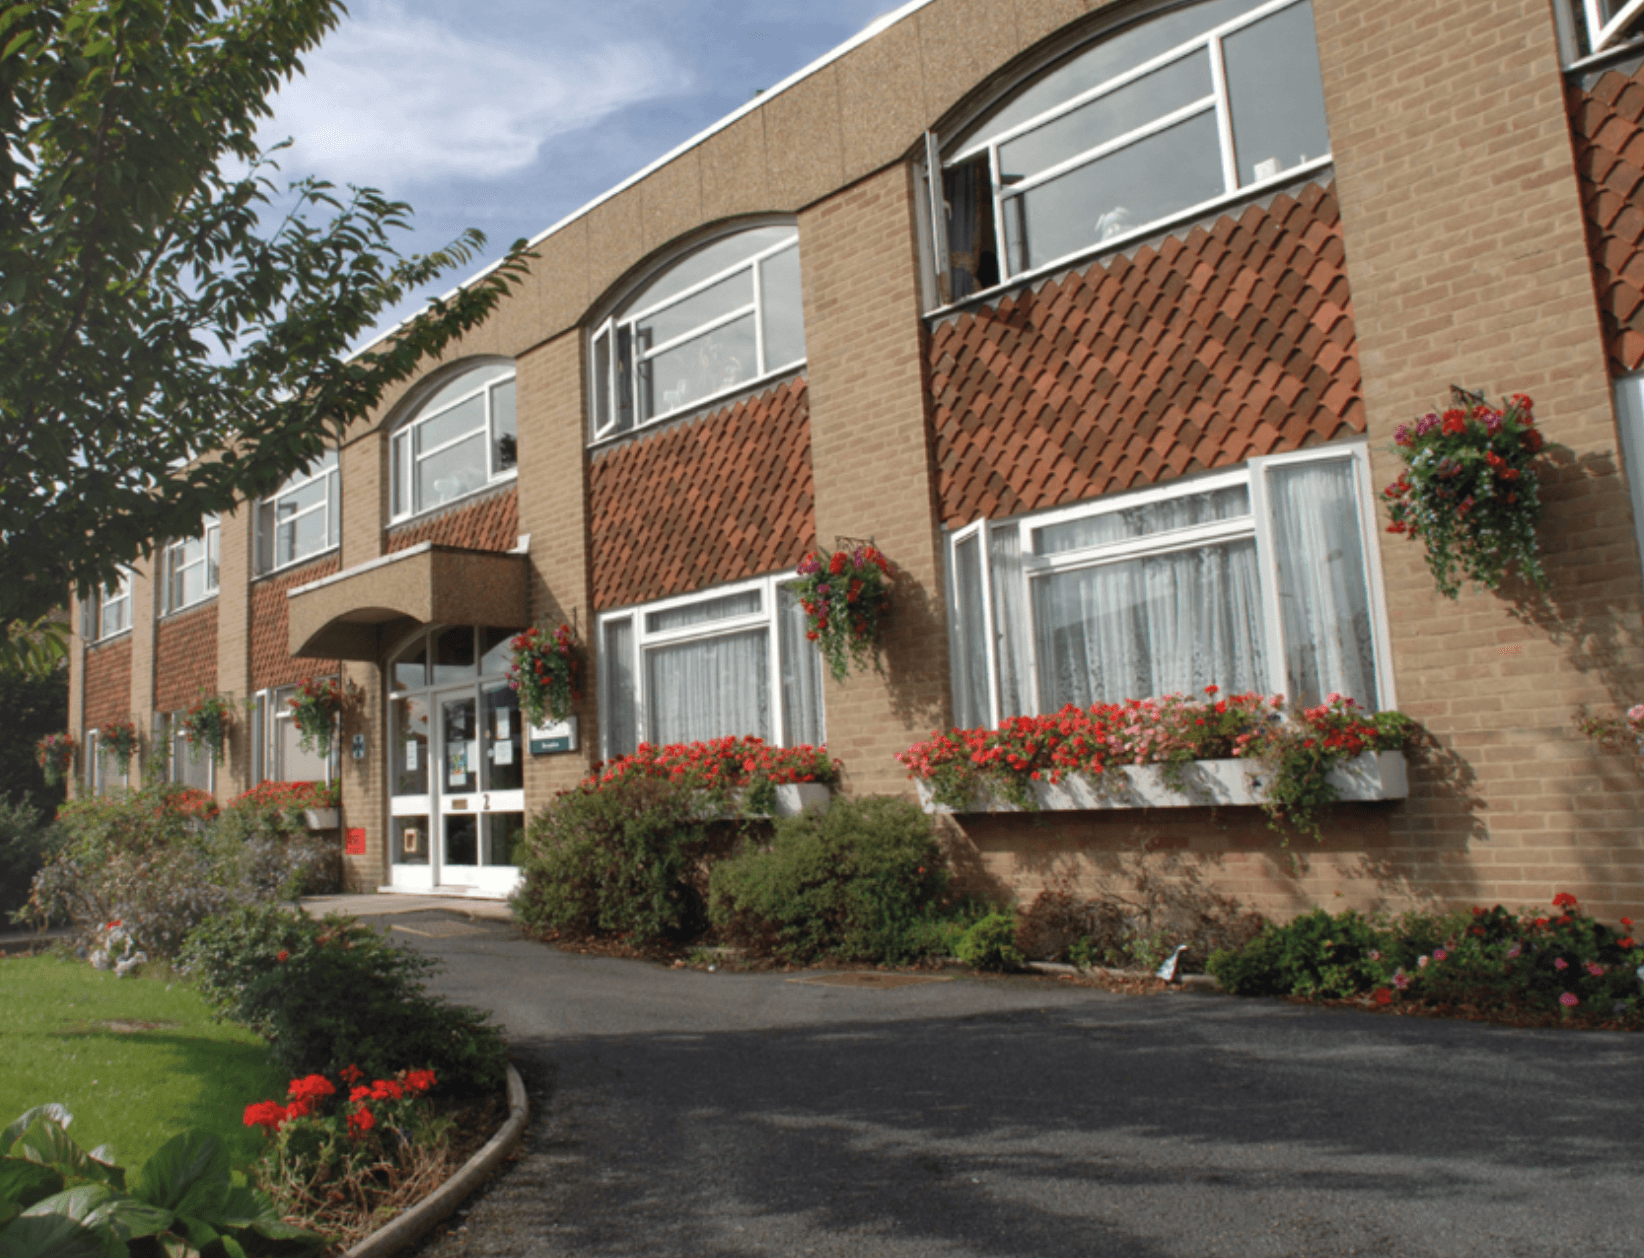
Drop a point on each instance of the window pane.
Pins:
(214, 545)
(1276, 94)
(1143, 521)
(467, 382)
(504, 746)
(453, 472)
(782, 310)
(496, 651)
(1107, 118)
(504, 836)
(504, 429)
(704, 307)
(409, 767)
(1150, 627)
(454, 655)
(1010, 616)
(293, 763)
(601, 384)
(466, 417)
(617, 665)
(459, 743)
(712, 689)
(625, 380)
(397, 473)
(461, 839)
(710, 261)
(310, 495)
(971, 706)
(1136, 185)
(408, 840)
(306, 535)
(717, 360)
(801, 675)
(1324, 593)
(724, 607)
(1111, 58)
(411, 669)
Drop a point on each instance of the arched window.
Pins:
(1160, 120)
(717, 320)
(462, 439)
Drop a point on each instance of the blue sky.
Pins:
(507, 115)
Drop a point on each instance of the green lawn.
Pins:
(135, 1060)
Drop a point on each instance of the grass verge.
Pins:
(136, 1060)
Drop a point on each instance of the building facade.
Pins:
(1097, 317)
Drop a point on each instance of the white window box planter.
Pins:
(792, 799)
(1375, 775)
(321, 818)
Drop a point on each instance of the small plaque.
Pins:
(359, 746)
(555, 736)
(354, 843)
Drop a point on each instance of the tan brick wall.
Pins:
(140, 700)
(232, 665)
(362, 467)
(554, 511)
(871, 460)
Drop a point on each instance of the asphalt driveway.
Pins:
(705, 1114)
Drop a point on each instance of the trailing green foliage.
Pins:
(334, 993)
(623, 858)
(26, 843)
(856, 882)
(990, 944)
(58, 1201)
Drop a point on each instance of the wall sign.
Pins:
(554, 736)
(354, 843)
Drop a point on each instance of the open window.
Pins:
(463, 439)
(300, 520)
(1161, 119)
(714, 322)
(1262, 579)
(1593, 28)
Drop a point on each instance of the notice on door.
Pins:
(456, 769)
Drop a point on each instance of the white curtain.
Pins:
(971, 705)
(709, 688)
(1150, 627)
(1010, 615)
(1324, 594)
(801, 675)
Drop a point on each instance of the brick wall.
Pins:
(108, 683)
(717, 498)
(185, 658)
(1607, 125)
(1231, 341)
(271, 662)
(492, 523)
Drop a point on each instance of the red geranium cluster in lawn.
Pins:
(720, 764)
(962, 764)
(289, 796)
(311, 1097)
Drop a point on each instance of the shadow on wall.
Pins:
(916, 659)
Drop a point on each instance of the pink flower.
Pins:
(1561, 964)
(1569, 1000)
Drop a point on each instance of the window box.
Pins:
(795, 798)
(322, 818)
(1376, 775)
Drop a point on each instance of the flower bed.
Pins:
(1175, 751)
(739, 774)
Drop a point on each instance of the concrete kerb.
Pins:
(433, 1209)
(1199, 982)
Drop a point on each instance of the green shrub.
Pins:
(856, 882)
(625, 857)
(334, 993)
(990, 943)
(267, 852)
(1313, 955)
(26, 842)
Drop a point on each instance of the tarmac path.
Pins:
(687, 1114)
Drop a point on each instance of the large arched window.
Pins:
(1160, 120)
(717, 320)
(462, 439)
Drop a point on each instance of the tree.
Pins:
(164, 351)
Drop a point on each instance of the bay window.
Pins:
(728, 663)
(1261, 579)
(188, 568)
(300, 519)
(1163, 119)
(722, 318)
(463, 439)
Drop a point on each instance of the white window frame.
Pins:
(173, 745)
(1629, 415)
(643, 640)
(271, 709)
(268, 523)
(1586, 34)
(176, 561)
(404, 461)
(1257, 525)
(624, 319)
(1218, 100)
(111, 609)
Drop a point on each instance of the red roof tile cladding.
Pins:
(1607, 122)
(185, 658)
(1235, 341)
(718, 498)
(270, 663)
(492, 523)
(108, 683)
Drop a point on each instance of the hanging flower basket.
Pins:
(206, 725)
(846, 597)
(1469, 491)
(118, 741)
(55, 755)
(315, 709)
(544, 672)
(1618, 734)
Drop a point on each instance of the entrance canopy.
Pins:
(348, 616)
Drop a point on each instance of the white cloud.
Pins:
(394, 100)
